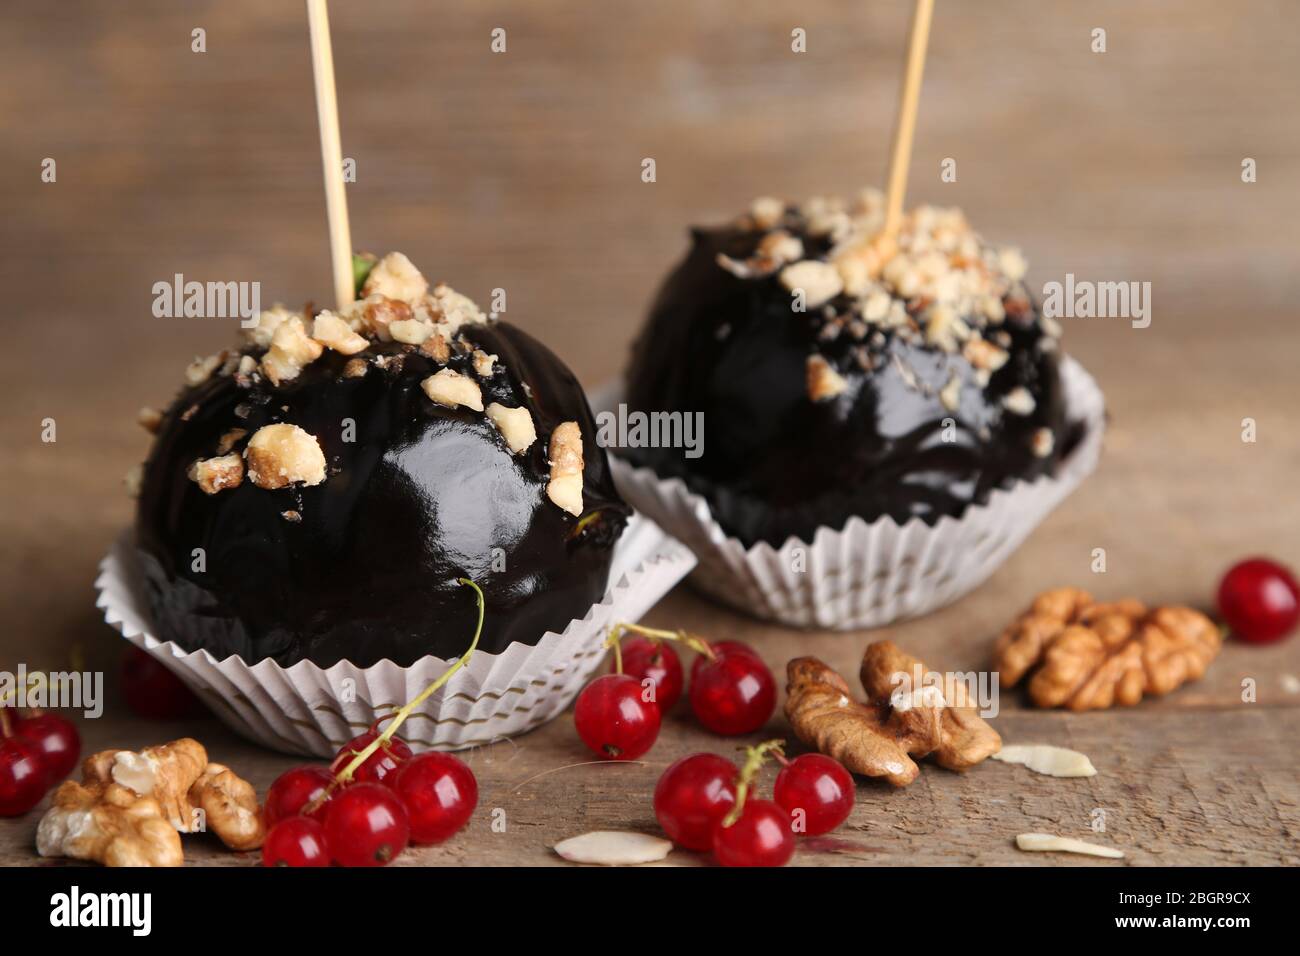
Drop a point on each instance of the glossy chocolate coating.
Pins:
(423, 495)
(775, 464)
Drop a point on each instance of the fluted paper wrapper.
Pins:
(865, 574)
(312, 710)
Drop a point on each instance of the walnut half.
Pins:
(1088, 656)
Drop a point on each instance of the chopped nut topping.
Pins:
(1042, 442)
(334, 333)
(436, 347)
(228, 440)
(945, 329)
(1012, 264)
(484, 363)
(452, 388)
(293, 517)
(565, 486)
(395, 277)
(378, 313)
(268, 321)
(150, 419)
(824, 383)
(1018, 401)
(820, 281)
(950, 394)
(134, 480)
(766, 212)
(355, 368)
(410, 331)
(515, 425)
(291, 351)
(201, 369)
(983, 354)
(452, 309)
(217, 474)
(281, 455)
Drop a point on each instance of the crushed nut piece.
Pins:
(282, 455)
(565, 486)
(410, 331)
(515, 425)
(880, 738)
(334, 333)
(823, 382)
(1091, 656)
(820, 281)
(395, 277)
(766, 211)
(378, 313)
(983, 354)
(450, 388)
(217, 474)
(291, 351)
(268, 321)
(228, 440)
(150, 419)
(201, 369)
(1042, 442)
(1019, 401)
(950, 394)
(134, 480)
(436, 347)
(484, 363)
(453, 309)
(355, 368)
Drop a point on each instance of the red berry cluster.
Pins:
(617, 716)
(315, 816)
(375, 798)
(37, 750)
(703, 802)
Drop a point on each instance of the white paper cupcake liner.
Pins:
(865, 574)
(313, 710)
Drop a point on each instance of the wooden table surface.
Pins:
(522, 170)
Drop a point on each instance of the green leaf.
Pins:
(361, 266)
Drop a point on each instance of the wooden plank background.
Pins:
(522, 170)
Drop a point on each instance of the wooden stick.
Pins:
(331, 152)
(908, 98)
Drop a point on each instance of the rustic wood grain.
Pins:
(522, 171)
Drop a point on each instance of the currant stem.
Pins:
(754, 757)
(405, 711)
(698, 644)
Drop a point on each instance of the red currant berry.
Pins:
(23, 777)
(366, 825)
(296, 841)
(57, 740)
(154, 692)
(644, 658)
(721, 649)
(1259, 600)
(294, 791)
(734, 693)
(614, 718)
(440, 794)
(378, 767)
(693, 796)
(816, 793)
(760, 837)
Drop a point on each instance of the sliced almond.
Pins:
(1051, 843)
(450, 388)
(614, 848)
(1049, 760)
